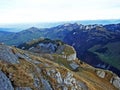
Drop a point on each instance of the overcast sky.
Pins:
(17, 11)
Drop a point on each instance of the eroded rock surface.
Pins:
(115, 81)
(7, 55)
(71, 57)
(5, 83)
(74, 65)
(35, 72)
(101, 74)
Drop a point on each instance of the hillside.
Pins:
(20, 37)
(33, 70)
(58, 32)
(97, 45)
(5, 36)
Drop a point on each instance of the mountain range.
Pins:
(17, 27)
(96, 44)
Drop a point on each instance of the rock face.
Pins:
(58, 77)
(5, 83)
(68, 81)
(71, 81)
(44, 48)
(74, 65)
(46, 84)
(72, 53)
(71, 57)
(101, 74)
(7, 55)
(116, 82)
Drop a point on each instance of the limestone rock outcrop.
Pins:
(7, 55)
(101, 73)
(71, 57)
(5, 83)
(115, 81)
(35, 71)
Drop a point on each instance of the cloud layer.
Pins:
(15, 11)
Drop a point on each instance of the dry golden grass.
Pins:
(68, 50)
(86, 74)
(98, 83)
(21, 74)
(18, 76)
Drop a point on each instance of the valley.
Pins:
(97, 45)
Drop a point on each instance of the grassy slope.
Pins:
(112, 56)
(85, 72)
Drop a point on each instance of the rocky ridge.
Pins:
(46, 71)
(35, 73)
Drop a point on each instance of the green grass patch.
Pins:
(111, 56)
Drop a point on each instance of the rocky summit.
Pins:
(50, 65)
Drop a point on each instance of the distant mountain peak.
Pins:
(33, 28)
